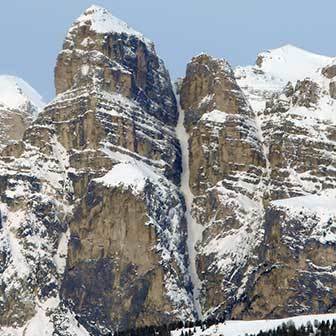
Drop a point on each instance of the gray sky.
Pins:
(32, 31)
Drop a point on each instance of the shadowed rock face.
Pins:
(111, 256)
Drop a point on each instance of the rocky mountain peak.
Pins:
(108, 138)
(102, 53)
(19, 105)
(206, 59)
(16, 94)
(329, 71)
(210, 85)
(102, 21)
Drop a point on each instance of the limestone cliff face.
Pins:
(98, 175)
(299, 135)
(127, 245)
(13, 125)
(296, 260)
(226, 168)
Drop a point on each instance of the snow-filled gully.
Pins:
(194, 229)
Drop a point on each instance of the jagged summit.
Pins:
(103, 22)
(16, 94)
(220, 63)
(103, 53)
(205, 55)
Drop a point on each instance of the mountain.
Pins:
(131, 203)
(19, 105)
(94, 220)
(298, 132)
(262, 173)
(226, 165)
(120, 107)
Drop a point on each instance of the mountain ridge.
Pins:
(100, 196)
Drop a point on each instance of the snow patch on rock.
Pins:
(319, 211)
(127, 175)
(215, 116)
(195, 230)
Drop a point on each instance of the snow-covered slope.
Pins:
(275, 68)
(290, 63)
(16, 94)
(43, 322)
(241, 328)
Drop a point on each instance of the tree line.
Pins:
(324, 328)
(165, 330)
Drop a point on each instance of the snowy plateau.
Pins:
(130, 204)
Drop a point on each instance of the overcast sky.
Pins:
(32, 31)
